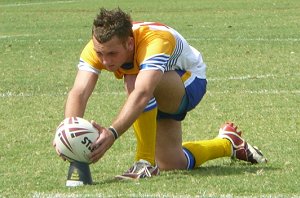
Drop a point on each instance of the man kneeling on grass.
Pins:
(164, 78)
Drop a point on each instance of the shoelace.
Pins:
(140, 168)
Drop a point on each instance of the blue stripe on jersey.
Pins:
(174, 57)
(155, 62)
(146, 66)
(151, 105)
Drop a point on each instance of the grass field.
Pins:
(252, 50)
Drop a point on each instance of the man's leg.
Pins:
(169, 95)
(205, 150)
(144, 127)
(228, 143)
(169, 152)
(173, 100)
(145, 132)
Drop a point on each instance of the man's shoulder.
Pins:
(89, 56)
(148, 27)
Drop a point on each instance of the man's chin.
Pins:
(112, 68)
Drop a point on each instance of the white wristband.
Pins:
(114, 132)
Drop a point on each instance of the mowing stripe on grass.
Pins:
(36, 3)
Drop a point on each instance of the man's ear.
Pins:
(130, 43)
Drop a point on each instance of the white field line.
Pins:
(16, 36)
(188, 39)
(156, 195)
(246, 39)
(19, 37)
(36, 3)
(10, 94)
(247, 77)
(258, 92)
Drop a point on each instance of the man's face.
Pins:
(114, 53)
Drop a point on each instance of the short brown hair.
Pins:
(109, 23)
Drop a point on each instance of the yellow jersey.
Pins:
(157, 46)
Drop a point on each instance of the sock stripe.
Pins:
(190, 159)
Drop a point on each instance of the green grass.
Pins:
(253, 55)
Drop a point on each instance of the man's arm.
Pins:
(78, 96)
(129, 81)
(144, 126)
(145, 84)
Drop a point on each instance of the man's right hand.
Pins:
(57, 151)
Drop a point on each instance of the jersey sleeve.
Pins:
(155, 50)
(89, 60)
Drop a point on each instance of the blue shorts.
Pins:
(195, 89)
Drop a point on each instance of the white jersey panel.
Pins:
(186, 57)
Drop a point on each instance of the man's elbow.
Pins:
(143, 96)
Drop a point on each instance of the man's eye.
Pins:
(99, 54)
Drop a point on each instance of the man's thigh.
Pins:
(169, 92)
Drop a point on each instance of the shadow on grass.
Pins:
(204, 171)
(113, 180)
(227, 170)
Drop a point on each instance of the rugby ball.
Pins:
(74, 137)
